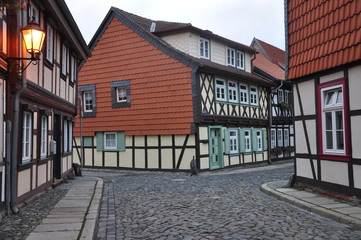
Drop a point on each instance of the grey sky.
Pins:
(238, 20)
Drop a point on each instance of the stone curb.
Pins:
(91, 219)
(319, 210)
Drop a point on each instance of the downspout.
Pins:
(13, 163)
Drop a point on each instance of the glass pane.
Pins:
(339, 120)
(339, 98)
(328, 119)
(339, 139)
(329, 144)
(233, 133)
(329, 97)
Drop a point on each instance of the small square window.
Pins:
(120, 91)
(88, 100)
(121, 94)
(110, 140)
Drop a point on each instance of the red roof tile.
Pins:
(268, 67)
(322, 34)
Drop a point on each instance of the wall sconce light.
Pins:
(33, 37)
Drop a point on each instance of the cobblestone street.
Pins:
(153, 205)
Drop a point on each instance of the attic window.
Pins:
(152, 26)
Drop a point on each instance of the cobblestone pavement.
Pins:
(153, 205)
(20, 226)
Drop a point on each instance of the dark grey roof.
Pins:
(142, 26)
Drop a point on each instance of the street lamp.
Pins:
(33, 37)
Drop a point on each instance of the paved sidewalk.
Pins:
(332, 208)
(74, 216)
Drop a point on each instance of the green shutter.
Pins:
(264, 138)
(227, 147)
(242, 142)
(87, 141)
(100, 141)
(254, 140)
(120, 141)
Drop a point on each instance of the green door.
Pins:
(215, 148)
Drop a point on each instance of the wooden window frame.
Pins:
(232, 92)
(204, 48)
(253, 95)
(222, 90)
(27, 143)
(243, 93)
(240, 60)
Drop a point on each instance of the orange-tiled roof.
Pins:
(273, 53)
(322, 34)
(265, 65)
(160, 86)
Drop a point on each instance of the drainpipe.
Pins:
(7, 166)
(13, 162)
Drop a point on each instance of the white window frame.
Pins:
(240, 60)
(253, 96)
(279, 137)
(33, 12)
(220, 90)
(259, 140)
(64, 59)
(273, 138)
(286, 138)
(247, 141)
(280, 96)
(333, 107)
(233, 141)
(72, 69)
(44, 137)
(243, 93)
(204, 48)
(105, 140)
(121, 94)
(231, 57)
(232, 92)
(286, 96)
(85, 101)
(65, 137)
(27, 137)
(50, 43)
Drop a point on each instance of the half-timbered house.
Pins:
(270, 64)
(324, 65)
(41, 99)
(157, 94)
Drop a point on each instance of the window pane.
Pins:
(328, 119)
(329, 144)
(339, 136)
(339, 120)
(329, 97)
(339, 98)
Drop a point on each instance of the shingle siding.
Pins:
(160, 86)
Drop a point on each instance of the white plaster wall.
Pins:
(331, 77)
(97, 158)
(296, 104)
(153, 158)
(248, 59)
(311, 131)
(166, 140)
(307, 92)
(63, 88)
(42, 174)
(301, 146)
(234, 160)
(167, 159)
(140, 158)
(111, 159)
(247, 158)
(334, 172)
(187, 158)
(356, 136)
(304, 169)
(152, 141)
(354, 75)
(48, 78)
(357, 176)
(24, 182)
(125, 159)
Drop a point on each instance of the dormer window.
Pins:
(231, 57)
(240, 60)
(204, 48)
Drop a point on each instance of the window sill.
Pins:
(62, 76)
(335, 157)
(49, 64)
(25, 166)
(44, 160)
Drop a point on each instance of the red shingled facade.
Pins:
(312, 50)
(160, 89)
